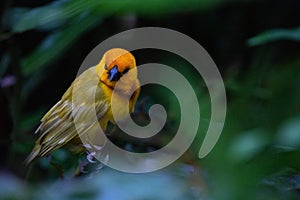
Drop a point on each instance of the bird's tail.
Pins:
(34, 153)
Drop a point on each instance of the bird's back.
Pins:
(57, 126)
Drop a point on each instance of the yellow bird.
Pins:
(57, 126)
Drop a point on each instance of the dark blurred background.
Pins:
(254, 43)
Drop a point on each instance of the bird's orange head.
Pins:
(115, 63)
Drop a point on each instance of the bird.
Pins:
(57, 127)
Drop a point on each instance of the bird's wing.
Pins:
(58, 127)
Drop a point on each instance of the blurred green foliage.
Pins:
(257, 157)
(275, 35)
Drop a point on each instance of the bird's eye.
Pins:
(105, 67)
(125, 71)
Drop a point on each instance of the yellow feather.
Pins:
(57, 126)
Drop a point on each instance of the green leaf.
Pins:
(4, 63)
(51, 15)
(56, 43)
(57, 13)
(288, 136)
(150, 7)
(51, 49)
(275, 35)
(247, 145)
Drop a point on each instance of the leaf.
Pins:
(4, 63)
(56, 43)
(55, 14)
(275, 35)
(288, 136)
(150, 7)
(51, 15)
(247, 145)
(51, 48)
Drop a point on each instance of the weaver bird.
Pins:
(57, 126)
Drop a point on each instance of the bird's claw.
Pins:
(90, 157)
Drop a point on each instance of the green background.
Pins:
(255, 45)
